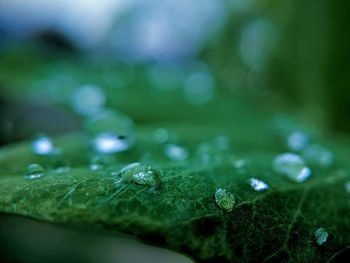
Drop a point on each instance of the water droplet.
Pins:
(321, 235)
(291, 165)
(222, 142)
(112, 132)
(176, 152)
(239, 164)
(258, 185)
(108, 143)
(347, 187)
(297, 140)
(43, 146)
(318, 155)
(88, 100)
(199, 87)
(62, 170)
(224, 199)
(34, 171)
(140, 174)
(99, 161)
(161, 135)
(257, 41)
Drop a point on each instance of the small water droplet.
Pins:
(258, 185)
(292, 166)
(321, 235)
(222, 142)
(62, 170)
(199, 87)
(239, 164)
(43, 145)
(176, 152)
(140, 174)
(34, 171)
(297, 140)
(88, 100)
(318, 155)
(224, 199)
(109, 143)
(161, 135)
(347, 187)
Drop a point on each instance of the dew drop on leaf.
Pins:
(224, 199)
(43, 145)
(34, 171)
(140, 174)
(258, 185)
(292, 166)
(321, 235)
(176, 152)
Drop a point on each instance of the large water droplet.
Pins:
(318, 155)
(176, 152)
(224, 199)
(88, 99)
(34, 171)
(297, 140)
(258, 185)
(43, 145)
(140, 174)
(321, 235)
(291, 165)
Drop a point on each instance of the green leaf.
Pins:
(276, 224)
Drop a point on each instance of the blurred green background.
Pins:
(291, 56)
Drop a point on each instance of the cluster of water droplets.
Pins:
(302, 153)
(291, 165)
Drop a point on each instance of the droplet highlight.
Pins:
(291, 165)
(109, 143)
(258, 185)
(224, 199)
(43, 146)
